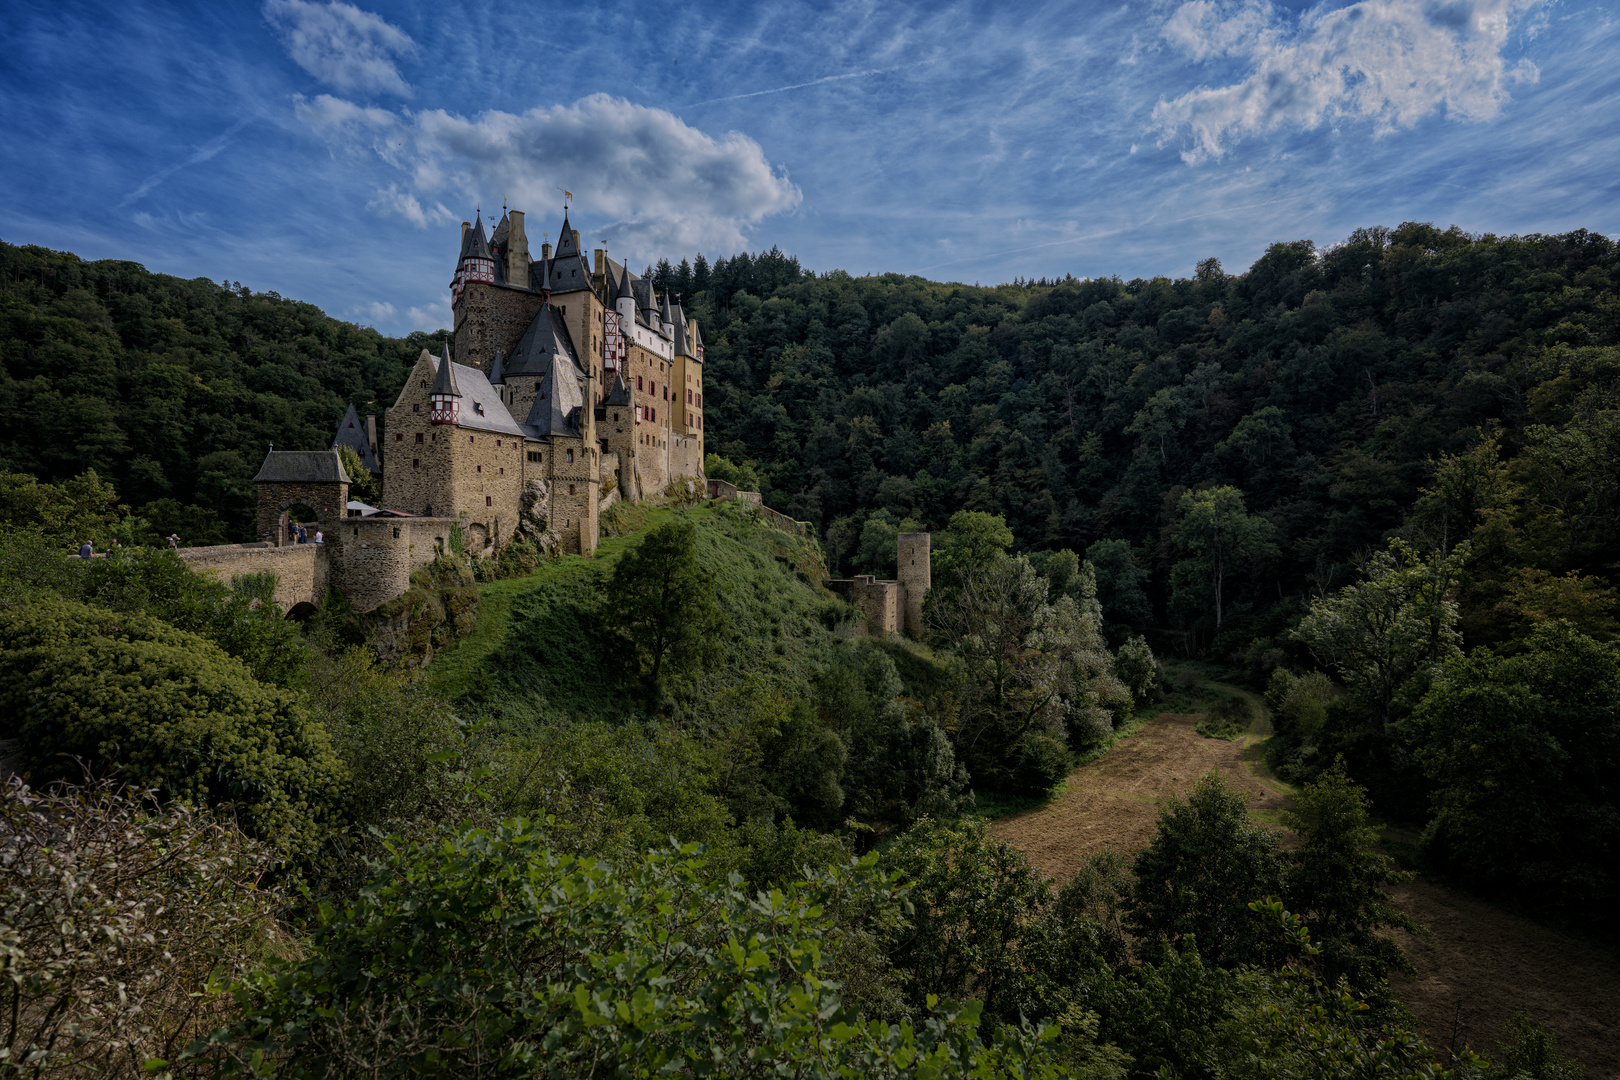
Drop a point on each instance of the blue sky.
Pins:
(328, 151)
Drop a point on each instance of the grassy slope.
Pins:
(539, 651)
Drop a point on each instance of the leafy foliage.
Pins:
(662, 601)
(163, 708)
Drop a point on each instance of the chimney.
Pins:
(545, 251)
(465, 225)
(517, 251)
(601, 262)
(576, 239)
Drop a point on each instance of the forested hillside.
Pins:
(173, 389)
(1326, 386)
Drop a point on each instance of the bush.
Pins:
(1037, 764)
(162, 708)
(1229, 718)
(490, 955)
(114, 916)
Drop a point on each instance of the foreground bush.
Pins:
(490, 955)
(113, 917)
(166, 709)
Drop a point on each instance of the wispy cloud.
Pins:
(662, 184)
(801, 85)
(203, 153)
(1390, 62)
(341, 45)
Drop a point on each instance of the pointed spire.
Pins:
(497, 370)
(565, 239)
(663, 309)
(444, 382)
(474, 243)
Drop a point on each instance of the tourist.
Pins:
(174, 542)
(86, 550)
(320, 537)
(292, 532)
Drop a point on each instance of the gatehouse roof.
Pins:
(302, 467)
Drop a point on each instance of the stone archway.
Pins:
(295, 512)
(301, 611)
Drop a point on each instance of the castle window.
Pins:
(418, 436)
(503, 470)
(497, 442)
(488, 501)
(471, 438)
(479, 468)
(416, 408)
(638, 382)
(700, 401)
(570, 489)
(689, 395)
(570, 457)
(416, 463)
(478, 407)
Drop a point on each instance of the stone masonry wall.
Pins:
(329, 501)
(490, 317)
(880, 602)
(416, 471)
(915, 558)
(373, 558)
(486, 483)
(302, 570)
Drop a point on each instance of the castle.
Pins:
(567, 384)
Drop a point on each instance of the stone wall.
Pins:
(416, 471)
(880, 602)
(576, 493)
(725, 489)
(914, 554)
(302, 571)
(373, 558)
(329, 501)
(490, 317)
(486, 483)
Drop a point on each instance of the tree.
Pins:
(972, 542)
(1197, 877)
(362, 484)
(1397, 623)
(663, 603)
(1335, 880)
(1521, 750)
(1120, 584)
(84, 508)
(1221, 534)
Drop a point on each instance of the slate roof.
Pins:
(620, 394)
(557, 407)
(546, 336)
(568, 272)
(474, 242)
(301, 467)
(444, 377)
(351, 432)
(481, 406)
(497, 370)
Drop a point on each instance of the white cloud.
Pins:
(341, 45)
(1391, 62)
(435, 316)
(661, 185)
(379, 311)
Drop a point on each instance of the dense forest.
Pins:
(659, 811)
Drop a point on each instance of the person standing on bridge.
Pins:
(86, 550)
(320, 537)
(174, 542)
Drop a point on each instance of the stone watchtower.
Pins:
(917, 576)
(310, 478)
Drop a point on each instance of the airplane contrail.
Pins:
(801, 86)
(201, 154)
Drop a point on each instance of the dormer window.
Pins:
(478, 407)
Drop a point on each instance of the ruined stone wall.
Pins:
(302, 570)
(724, 489)
(915, 558)
(880, 602)
(490, 317)
(372, 558)
(329, 501)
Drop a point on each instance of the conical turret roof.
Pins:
(475, 243)
(444, 380)
(497, 370)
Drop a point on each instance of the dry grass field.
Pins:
(1476, 966)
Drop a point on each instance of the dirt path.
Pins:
(1475, 958)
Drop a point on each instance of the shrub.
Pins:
(491, 955)
(114, 915)
(165, 709)
(1037, 764)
